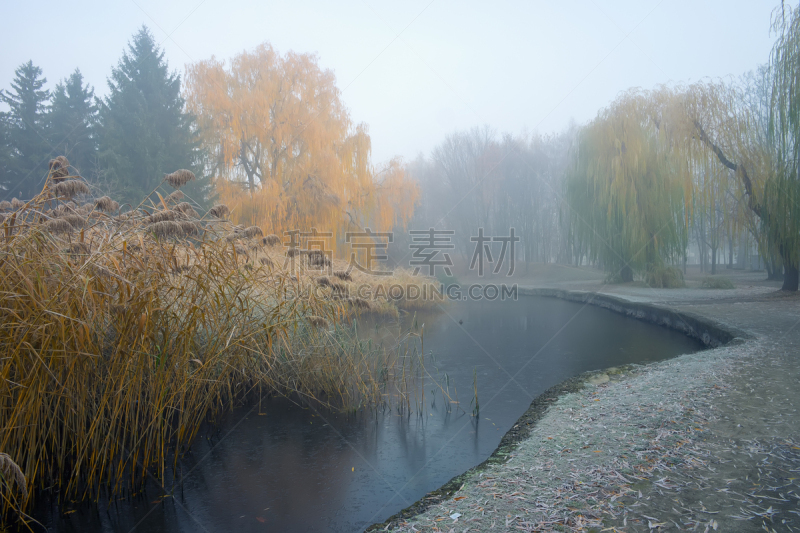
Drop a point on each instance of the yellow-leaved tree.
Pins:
(283, 150)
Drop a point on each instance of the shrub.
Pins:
(716, 282)
(613, 278)
(664, 277)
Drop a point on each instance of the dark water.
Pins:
(296, 469)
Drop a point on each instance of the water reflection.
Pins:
(289, 468)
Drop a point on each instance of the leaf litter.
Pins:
(636, 454)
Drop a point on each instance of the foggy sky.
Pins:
(415, 71)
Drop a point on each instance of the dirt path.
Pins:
(708, 441)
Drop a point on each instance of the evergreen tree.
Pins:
(144, 131)
(73, 117)
(26, 123)
(5, 156)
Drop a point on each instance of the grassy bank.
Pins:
(122, 332)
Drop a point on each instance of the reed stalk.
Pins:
(121, 333)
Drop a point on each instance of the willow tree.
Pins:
(754, 133)
(781, 204)
(283, 149)
(626, 195)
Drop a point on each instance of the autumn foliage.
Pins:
(283, 149)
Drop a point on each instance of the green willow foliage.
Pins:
(781, 212)
(625, 200)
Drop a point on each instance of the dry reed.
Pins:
(59, 167)
(253, 232)
(174, 197)
(319, 260)
(337, 287)
(220, 211)
(359, 302)
(179, 178)
(166, 229)
(12, 472)
(69, 188)
(119, 346)
(189, 227)
(68, 208)
(165, 215)
(106, 204)
(271, 241)
(58, 226)
(318, 322)
(186, 208)
(79, 248)
(76, 221)
(343, 275)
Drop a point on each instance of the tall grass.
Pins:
(121, 333)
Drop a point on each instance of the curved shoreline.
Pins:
(710, 332)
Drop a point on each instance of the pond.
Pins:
(282, 467)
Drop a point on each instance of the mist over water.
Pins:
(292, 468)
(196, 196)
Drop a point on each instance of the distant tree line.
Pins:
(123, 144)
(478, 180)
(658, 174)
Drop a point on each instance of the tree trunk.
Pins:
(626, 273)
(774, 266)
(790, 277)
(774, 271)
(730, 252)
(789, 272)
(741, 260)
(701, 243)
(713, 261)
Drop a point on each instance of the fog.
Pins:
(418, 71)
(208, 205)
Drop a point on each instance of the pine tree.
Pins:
(5, 156)
(144, 132)
(26, 123)
(73, 117)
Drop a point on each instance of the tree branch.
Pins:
(740, 169)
